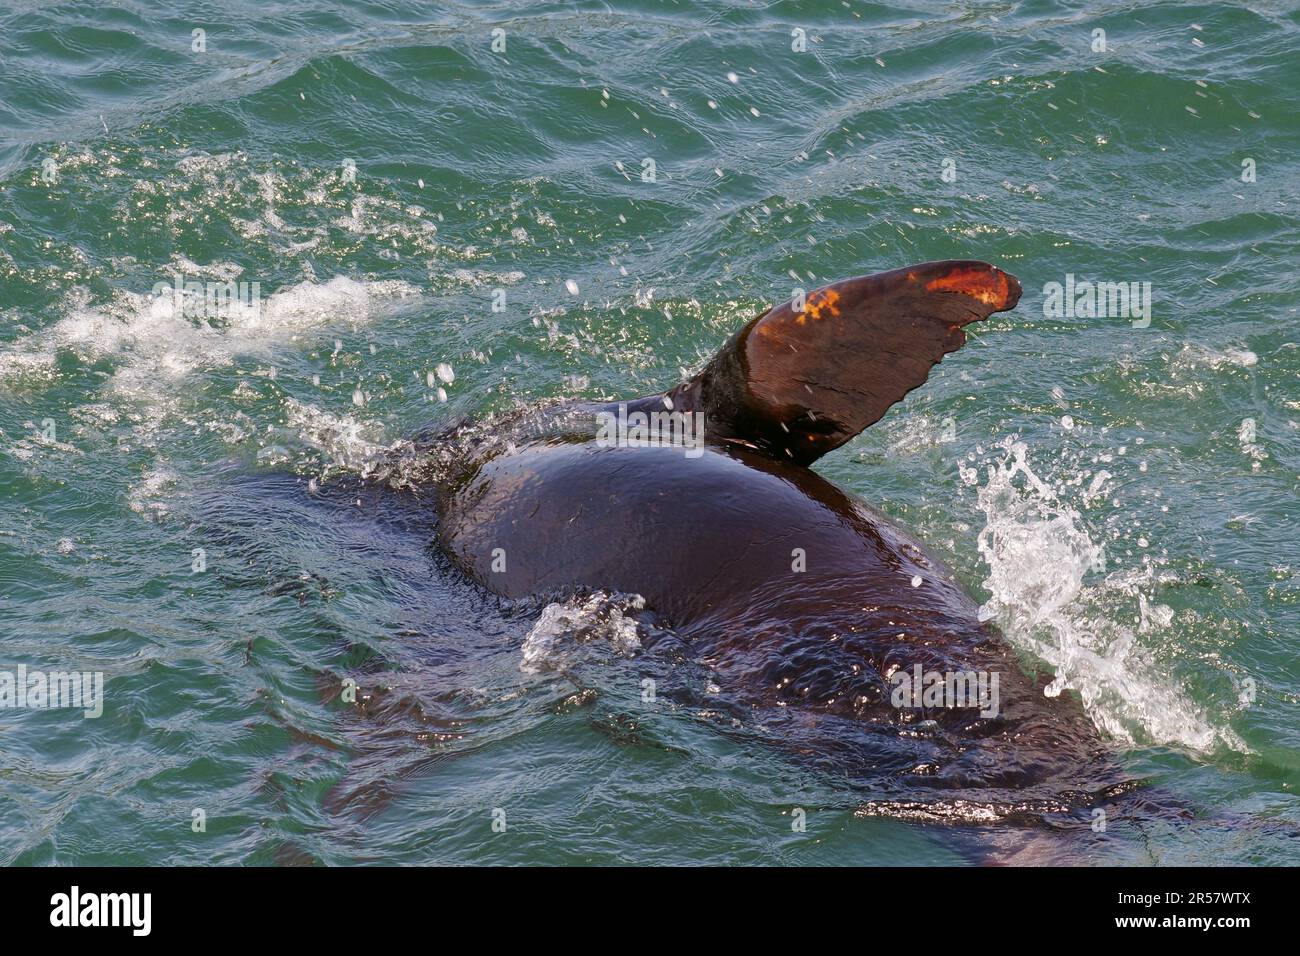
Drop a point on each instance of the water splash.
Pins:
(1038, 552)
(565, 626)
(347, 444)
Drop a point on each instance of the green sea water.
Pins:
(443, 221)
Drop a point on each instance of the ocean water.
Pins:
(443, 222)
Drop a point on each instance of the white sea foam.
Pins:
(1195, 354)
(154, 344)
(350, 444)
(151, 495)
(153, 347)
(1038, 551)
(154, 354)
(36, 366)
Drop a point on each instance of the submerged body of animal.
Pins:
(806, 605)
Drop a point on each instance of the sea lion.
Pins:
(807, 606)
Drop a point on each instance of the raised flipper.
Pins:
(799, 383)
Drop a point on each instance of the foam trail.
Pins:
(154, 343)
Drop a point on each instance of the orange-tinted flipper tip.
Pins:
(985, 283)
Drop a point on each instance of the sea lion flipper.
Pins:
(798, 383)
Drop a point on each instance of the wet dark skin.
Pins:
(714, 545)
(714, 540)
